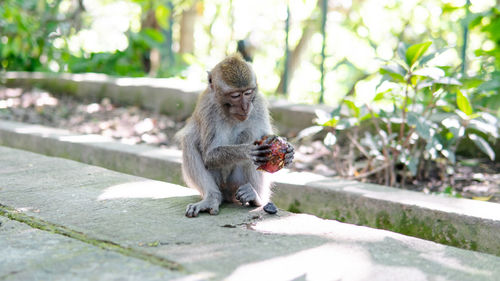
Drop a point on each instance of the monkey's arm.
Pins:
(196, 176)
(225, 155)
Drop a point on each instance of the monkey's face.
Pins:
(239, 103)
(235, 86)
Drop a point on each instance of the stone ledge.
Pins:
(146, 217)
(172, 96)
(457, 222)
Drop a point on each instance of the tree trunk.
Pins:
(150, 58)
(188, 19)
(296, 54)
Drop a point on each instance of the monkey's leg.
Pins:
(197, 176)
(256, 190)
(247, 194)
(210, 203)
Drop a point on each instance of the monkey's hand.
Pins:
(260, 154)
(209, 204)
(290, 152)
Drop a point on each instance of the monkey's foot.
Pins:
(210, 205)
(246, 194)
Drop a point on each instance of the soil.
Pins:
(473, 178)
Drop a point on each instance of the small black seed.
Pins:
(270, 208)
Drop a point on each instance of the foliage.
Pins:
(412, 127)
(24, 29)
(50, 35)
(486, 83)
(29, 29)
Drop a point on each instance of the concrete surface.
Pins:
(138, 221)
(175, 97)
(172, 96)
(463, 223)
(27, 253)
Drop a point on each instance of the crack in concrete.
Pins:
(40, 224)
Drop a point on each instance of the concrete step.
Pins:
(463, 223)
(141, 222)
(173, 96)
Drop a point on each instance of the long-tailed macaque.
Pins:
(219, 157)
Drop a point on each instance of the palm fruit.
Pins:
(277, 154)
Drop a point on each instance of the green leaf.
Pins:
(352, 106)
(412, 165)
(449, 154)
(336, 111)
(396, 72)
(322, 116)
(402, 50)
(431, 72)
(162, 14)
(463, 103)
(448, 190)
(331, 123)
(309, 131)
(347, 123)
(154, 34)
(381, 95)
(330, 139)
(447, 81)
(483, 145)
(484, 127)
(415, 52)
(422, 127)
(425, 59)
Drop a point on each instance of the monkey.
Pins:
(220, 158)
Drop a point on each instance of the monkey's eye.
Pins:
(247, 93)
(235, 95)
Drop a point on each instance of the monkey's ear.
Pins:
(209, 77)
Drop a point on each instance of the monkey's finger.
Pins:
(260, 158)
(263, 147)
(270, 139)
(260, 163)
(260, 152)
(214, 211)
(241, 196)
(192, 210)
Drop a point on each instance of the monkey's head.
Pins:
(234, 85)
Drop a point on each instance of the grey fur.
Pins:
(219, 155)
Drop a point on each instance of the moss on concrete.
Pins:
(103, 244)
(434, 225)
(294, 207)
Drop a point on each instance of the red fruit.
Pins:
(278, 151)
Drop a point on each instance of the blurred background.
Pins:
(412, 87)
(331, 48)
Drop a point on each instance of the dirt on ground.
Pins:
(473, 178)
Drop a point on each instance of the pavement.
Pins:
(64, 220)
(464, 223)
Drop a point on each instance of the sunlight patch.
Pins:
(302, 224)
(145, 189)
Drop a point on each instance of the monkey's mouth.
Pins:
(241, 117)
